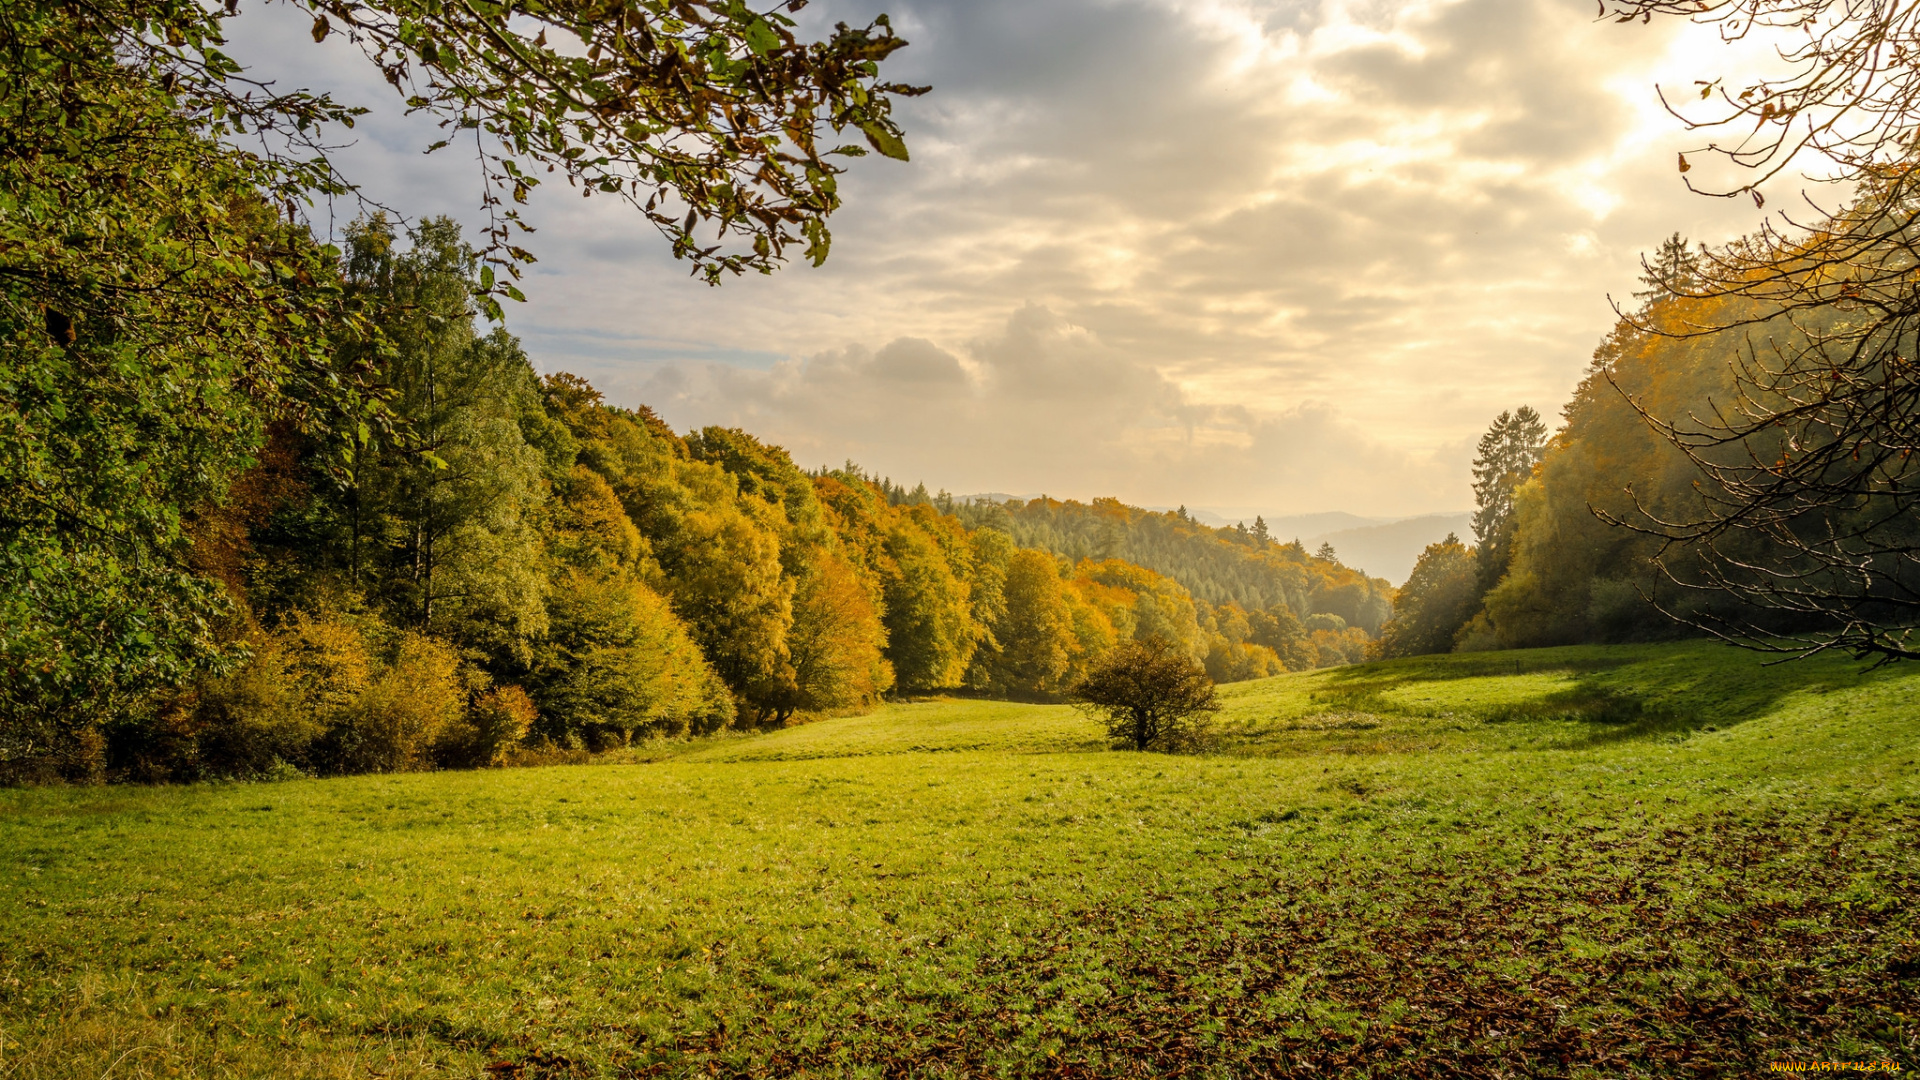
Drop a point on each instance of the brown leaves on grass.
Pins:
(1694, 952)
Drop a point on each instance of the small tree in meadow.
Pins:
(1151, 694)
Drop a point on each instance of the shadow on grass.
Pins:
(1618, 693)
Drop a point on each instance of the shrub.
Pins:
(252, 721)
(327, 661)
(395, 723)
(491, 729)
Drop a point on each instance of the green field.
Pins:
(1638, 860)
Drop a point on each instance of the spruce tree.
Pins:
(1674, 270)
(1507, 454)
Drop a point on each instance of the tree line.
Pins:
(509, 563)
(1672, 501)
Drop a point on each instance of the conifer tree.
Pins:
(1674, 270)
(1507, 454)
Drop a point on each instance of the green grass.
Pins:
(1649, 860)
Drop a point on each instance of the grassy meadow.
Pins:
(1660, 860)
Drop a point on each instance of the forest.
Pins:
(276, 503)
(1674, 500)
(493, 565)
(518, 569)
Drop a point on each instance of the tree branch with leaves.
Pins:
(708, 116)
(1807, 505)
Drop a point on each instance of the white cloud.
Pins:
(1214, 252)
(1007, 411)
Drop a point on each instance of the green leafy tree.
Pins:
(1151, 695)
(720, 554)
(723, 573)
(837, 644)
(701, 113)
(1437, 600)
(1279, 629)
(993, 551)
(617, 661)
(768, 474)
(1035, 639)
(621, 664)
(931, 634)
(155, 315)
(442, 523)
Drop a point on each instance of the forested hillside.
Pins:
(1575, 577)
(1237, 565)
(1550, 561)
(1730, 464)
(505, 564)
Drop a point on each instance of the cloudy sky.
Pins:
(1280, 257)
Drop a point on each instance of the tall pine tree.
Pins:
(1507, 454)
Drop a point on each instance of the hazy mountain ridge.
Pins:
(1390, 549)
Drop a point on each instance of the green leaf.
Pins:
(885, 141)
(761, 38)
(818, 240)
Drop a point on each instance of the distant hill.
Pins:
(1379, 546)
(1389, 550)
(1302, 527)
(1215, 565)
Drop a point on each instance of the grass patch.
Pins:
(1659, 860)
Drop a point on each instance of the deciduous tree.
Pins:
(1034, 640)
(837, 644)
(1808, 493)
(1437, 600)
(1151, 695)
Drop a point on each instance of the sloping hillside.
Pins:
(1218, 566)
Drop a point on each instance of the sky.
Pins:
(1253, 257)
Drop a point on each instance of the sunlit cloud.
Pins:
(1280, 255)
